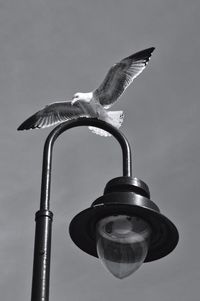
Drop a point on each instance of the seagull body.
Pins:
(94, 104)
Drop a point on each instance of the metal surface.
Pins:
(41, 265)
(127, 184)
(42, 254)
(122, 197)
(47, 156)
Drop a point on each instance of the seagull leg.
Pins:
(73, 101)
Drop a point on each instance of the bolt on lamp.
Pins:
(124, 228)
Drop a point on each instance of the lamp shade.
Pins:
(126, 200)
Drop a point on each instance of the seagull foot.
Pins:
(73, 101)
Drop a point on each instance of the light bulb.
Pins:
(122, 243)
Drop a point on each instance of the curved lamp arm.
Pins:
(44, 217)
(56, 132)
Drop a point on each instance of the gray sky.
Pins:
(48, 51)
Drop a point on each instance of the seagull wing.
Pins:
(120, 76)
(54, 113)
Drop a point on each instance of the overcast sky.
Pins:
(48, 51)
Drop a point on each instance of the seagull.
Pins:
(94, 104)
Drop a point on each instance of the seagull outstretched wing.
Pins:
(120, 76)
(54, 113)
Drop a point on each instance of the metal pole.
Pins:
(44, 217)
(42, 255)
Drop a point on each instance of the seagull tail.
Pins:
(115, 119)
(99, 132)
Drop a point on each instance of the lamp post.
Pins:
(124, 228)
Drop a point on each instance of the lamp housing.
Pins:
(131, 197)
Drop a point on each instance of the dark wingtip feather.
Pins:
(143, 54)
(151, 49)
(30, 123)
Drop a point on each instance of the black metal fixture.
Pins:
(124, 228)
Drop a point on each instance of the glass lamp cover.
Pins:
(122, 243)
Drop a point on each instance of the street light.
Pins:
(124, 228)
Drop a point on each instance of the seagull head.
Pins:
(82, 97)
